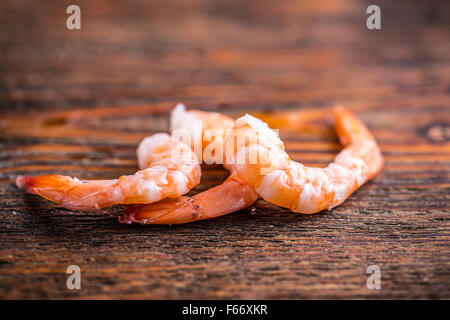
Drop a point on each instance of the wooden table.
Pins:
(78, 102)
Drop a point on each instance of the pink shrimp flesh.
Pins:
(165, 174)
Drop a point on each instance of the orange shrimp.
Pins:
(232, 195)
(281, 181)
(169, 169)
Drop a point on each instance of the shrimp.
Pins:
(204, 131)
(198, 122)
(281, 181)
(232, 195)
(169, 168)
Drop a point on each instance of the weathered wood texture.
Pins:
(78, 102)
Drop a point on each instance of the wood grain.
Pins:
(78, 103)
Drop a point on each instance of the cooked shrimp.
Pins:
(204, 131)
(281, 181)
(169, 169)
(196, 121)
(298, 120)
(230, 196)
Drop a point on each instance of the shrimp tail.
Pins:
(354, 135)
(349, 128)
(70, 192)
(52, 187)
(228, 197)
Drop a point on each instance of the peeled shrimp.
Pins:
(232, 195)
(209, 130)
(263, 164)
(204, 131)
(169, 169)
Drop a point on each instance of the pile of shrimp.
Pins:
(170, 167)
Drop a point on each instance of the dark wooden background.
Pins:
(78, 103)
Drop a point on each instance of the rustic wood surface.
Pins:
(78, 103)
